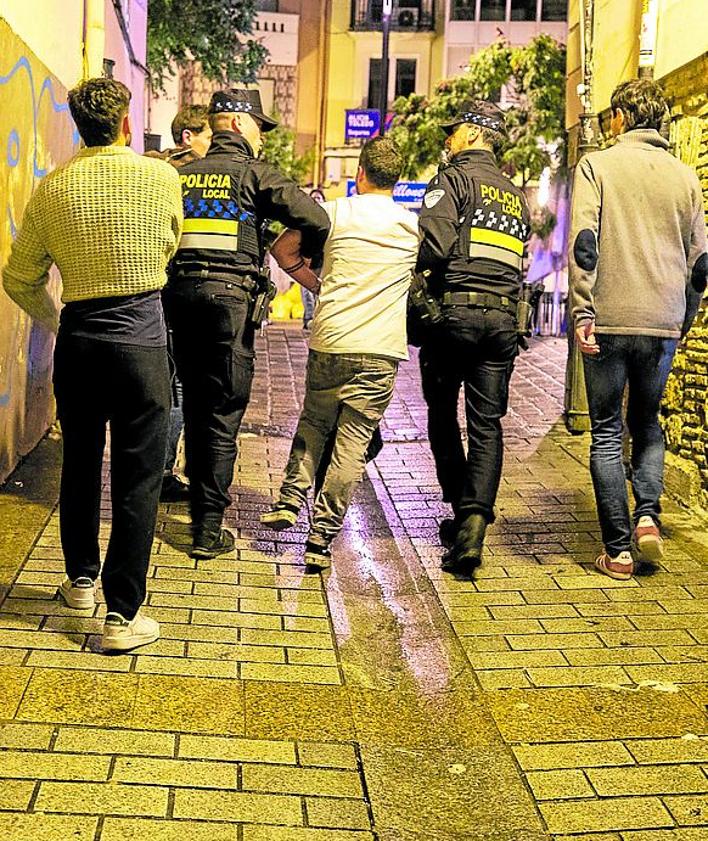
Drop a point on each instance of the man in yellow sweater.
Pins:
(110, 219)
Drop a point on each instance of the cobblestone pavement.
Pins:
(383, 700)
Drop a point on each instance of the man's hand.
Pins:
(585, 337)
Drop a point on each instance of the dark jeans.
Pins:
(474, 348)
(98, 382)
(643, 363)
(176, 425)
(213, 345)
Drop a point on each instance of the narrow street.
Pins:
(383, 700)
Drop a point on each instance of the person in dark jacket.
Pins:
(214, 284)
(474, 223)
(191, 133)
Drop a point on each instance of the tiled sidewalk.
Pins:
(383, 700)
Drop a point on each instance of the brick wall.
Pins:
(685, 413)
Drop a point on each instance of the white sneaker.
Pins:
(79, 593)
(121, 634)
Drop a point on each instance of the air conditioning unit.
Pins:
(408, 17)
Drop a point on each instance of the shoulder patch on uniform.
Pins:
(433, 197)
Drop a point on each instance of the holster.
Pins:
(424, 310)
(264, 294)
(526, 307)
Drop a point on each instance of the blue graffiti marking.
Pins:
(23, 63)
(13, 148)
(13, 154)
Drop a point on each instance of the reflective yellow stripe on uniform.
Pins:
(216, 234)
(211, 226)
(495, 245)
(502, 240)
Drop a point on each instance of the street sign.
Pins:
(408, 193)
(361, 124)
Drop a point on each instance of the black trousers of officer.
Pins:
(474, 348)
(213, 347)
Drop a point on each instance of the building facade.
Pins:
(674, 43)
(430, 40)
(46, 48)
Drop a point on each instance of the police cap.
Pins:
(241, 101)
(478, 112)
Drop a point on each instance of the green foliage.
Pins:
(207, 31)
(279, 150)
(535, 76)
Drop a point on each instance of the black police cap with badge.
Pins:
(478, 112)
(241, 101)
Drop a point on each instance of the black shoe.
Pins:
(447, 531)
(174, 489)
(209, 544)
(317, 557)
(466, 554)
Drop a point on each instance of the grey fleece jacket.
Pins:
(637, 252)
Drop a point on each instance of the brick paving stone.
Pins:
(113, 741)
(25, 764)
(572, 755)
(689, 810)
(142, 829)
(102, 799)
(687, 749)
(602, 815)
(664, 779)
(238, 806)
(39, 827)
(559, 785)
(15, 795)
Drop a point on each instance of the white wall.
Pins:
(52, 29)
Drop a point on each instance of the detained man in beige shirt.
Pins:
(358, 338)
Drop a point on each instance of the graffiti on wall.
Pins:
(36, 134)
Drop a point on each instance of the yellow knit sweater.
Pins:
(109, 218)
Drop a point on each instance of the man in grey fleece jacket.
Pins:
(638, 267)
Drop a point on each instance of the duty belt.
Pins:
(211, 274)
(483, 300)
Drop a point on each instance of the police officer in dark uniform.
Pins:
(214, 288)
(474, 223)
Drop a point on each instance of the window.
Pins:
(523, 9)
(462, 9)
(492, 10)
(266, 5)
(374, 83)
(405, 77)
(403, 82)
(554, 10)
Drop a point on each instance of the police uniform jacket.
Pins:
(227, 196)
(474, 223)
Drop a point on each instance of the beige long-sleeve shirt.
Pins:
(109, 218)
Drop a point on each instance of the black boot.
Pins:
(466, 554)
(209, 544)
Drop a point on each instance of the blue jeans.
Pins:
(643, 363)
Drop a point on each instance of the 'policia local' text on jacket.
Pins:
(227, 196)
(474, 223)
(637, 251)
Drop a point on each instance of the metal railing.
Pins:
(407, 16)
